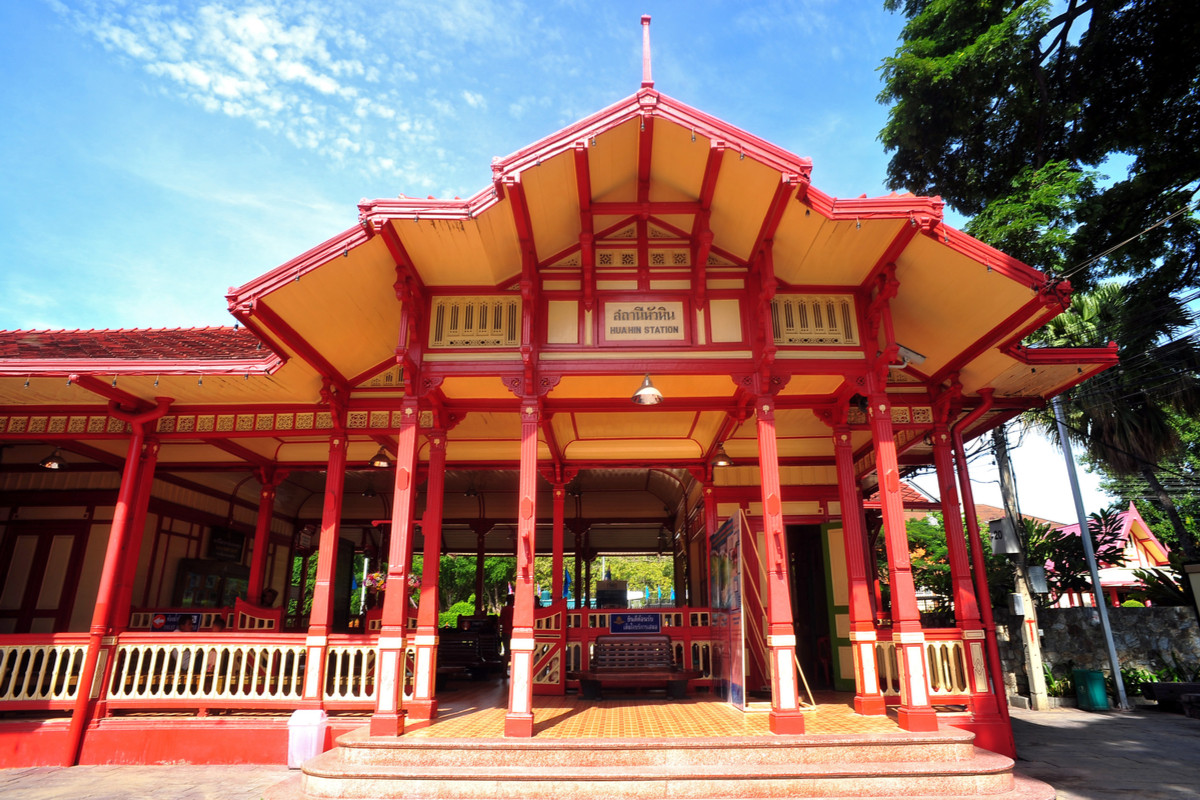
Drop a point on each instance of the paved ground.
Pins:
(1085, 756)
(1146, 754)
(139, 783)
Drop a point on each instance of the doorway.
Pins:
(41, 568)
(810, 603)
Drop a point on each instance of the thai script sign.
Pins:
(635, 623)
(644, 322)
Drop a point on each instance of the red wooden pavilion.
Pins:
(490, 347)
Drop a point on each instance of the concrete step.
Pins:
(1023, 788)
(948, 745)
(943, 764)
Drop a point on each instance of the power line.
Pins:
(1096, 258)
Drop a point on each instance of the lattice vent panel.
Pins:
(475, 322)
(814, 320)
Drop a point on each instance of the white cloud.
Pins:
(338, 79)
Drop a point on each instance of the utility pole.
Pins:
(1031, 644)
(1090, 552)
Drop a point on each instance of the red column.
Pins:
(915, 712)
(556, 567)
(424, 703)
(966, 605)
(90, 689)
(262, 534)
(480, 555)
(580, 558)
(519, 719)
(710, 526)
(998, 735)
(133, 542)
(388, 719)
(966, 610)
(781, 635)
(321, 619)
(868, 697)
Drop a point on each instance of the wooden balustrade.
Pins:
(40, 671)
(946, 666)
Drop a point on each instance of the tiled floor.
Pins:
(477, 711)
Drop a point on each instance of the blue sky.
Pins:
(155, 154)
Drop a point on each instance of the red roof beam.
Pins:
(299, 345)
(299, 266)
(1007, 333)
(245, 454)
(126, 401)
(644, 163)
(646, 208)
(399, 254)
(587, 232)
(54, 368)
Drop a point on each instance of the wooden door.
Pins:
(40, 563)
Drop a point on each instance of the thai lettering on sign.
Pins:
(635, 623)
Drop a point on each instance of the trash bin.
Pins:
(306, 735)
(1090, 691)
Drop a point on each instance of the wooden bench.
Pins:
(458, 655)
(1173, 696)
(633, 659)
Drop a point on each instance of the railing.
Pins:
(946, 665)
(205, 670)
(41, 672)
(168, 670)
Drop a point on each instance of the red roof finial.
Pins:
(647, 81)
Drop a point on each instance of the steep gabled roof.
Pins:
(1135, 531)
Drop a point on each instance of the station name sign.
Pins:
(645, 322)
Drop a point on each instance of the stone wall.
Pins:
(1073, 638)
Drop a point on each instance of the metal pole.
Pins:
(1090, 553)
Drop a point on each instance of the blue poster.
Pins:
(725, 596)
(635, 623)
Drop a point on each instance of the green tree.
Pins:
(930, 557)
(1063, 556)
(989, 97)
(1123, 418)
(1179, 475)
(456, 579)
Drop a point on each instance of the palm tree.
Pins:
(1122, 417)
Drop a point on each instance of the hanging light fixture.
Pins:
(381, 459)
(720, 458)
(53, 461)
(647, 395)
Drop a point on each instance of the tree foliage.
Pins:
(992, 97)
(1063, 556)
(1126, 418)
(1179, 476)
(929, 555)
